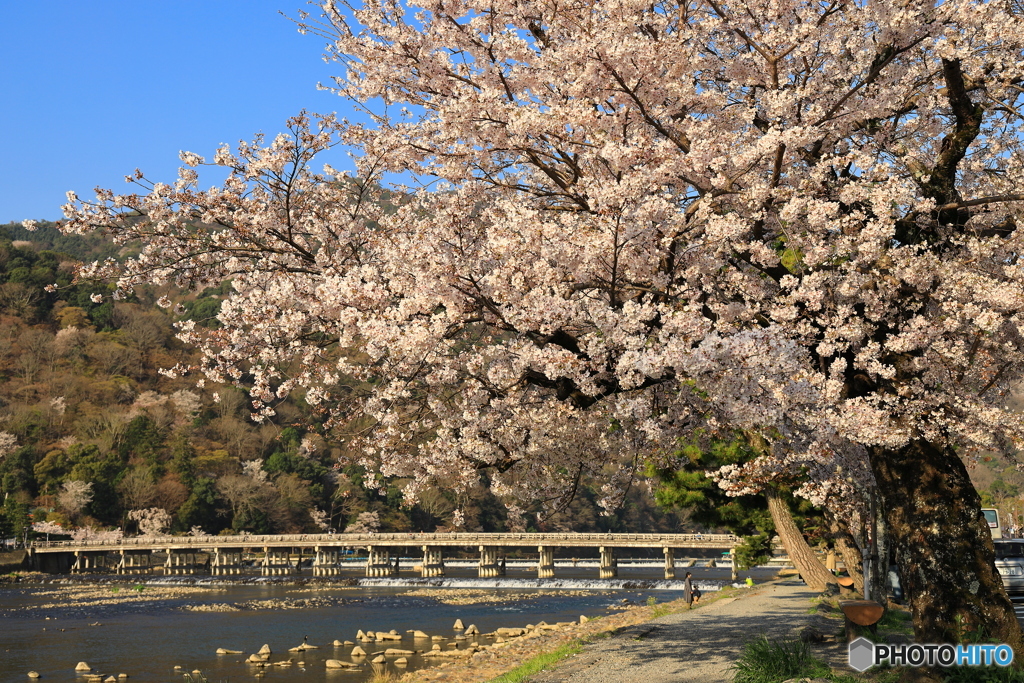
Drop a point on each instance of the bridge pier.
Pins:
(378, 563)
(135, 562)
(181, 562)
(325, 561)
(609, 565)
(276, 562)
(86, 560)
(546, 563)
(433, 562)
(226, 562)
(670, 563)
(490, 566)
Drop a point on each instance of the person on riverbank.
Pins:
(688, 590)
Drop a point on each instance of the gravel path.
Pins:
(700, 645)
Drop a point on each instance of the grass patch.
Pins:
(539, 663)
(773, 661)
(381, 674)
(897, 620)
(661, 610)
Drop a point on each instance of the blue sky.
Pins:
(90, 90)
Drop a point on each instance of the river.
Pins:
(146, 638)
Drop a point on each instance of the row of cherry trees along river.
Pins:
(786, 223)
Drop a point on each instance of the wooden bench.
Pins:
(862, 613)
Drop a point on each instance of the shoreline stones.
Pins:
(82, 666)
(33, 674)
(458, 625)
(223, 651)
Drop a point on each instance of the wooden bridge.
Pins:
(275, 555)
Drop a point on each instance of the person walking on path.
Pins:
(688, 590)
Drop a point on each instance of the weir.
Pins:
(280, 555)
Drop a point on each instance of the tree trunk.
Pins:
(846, 546)
(942, 546)
(807, 563)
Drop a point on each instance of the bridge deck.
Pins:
(398, 540)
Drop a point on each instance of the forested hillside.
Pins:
(94, 437)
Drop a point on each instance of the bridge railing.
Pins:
(452, 538)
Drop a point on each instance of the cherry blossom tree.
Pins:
(151, 521)
(795, 220)
(48, 528)
(8, 442)
(74, 496)
(366, 523)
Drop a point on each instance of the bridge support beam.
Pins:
(433, 562)
(226, 561)
(546, 562)
(609, 565)
(490, 566)
(180, 562)
(325, 561)
(89, 560)
(379, 563)
(135, 562)
(276, 562)
(670, 563)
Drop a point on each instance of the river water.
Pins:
(146, 639)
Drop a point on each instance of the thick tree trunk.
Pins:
(806, 562)
(942, 546)
(846, 546)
